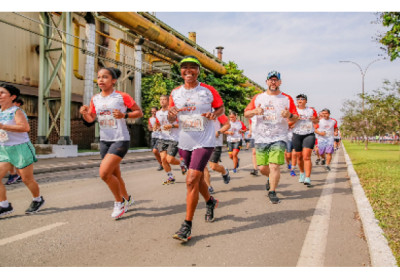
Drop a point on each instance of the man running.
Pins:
(155, 135)
(221, 125)
(326, 129)
(274, 109)
(168, 142)
(304, 138)
(235, 139)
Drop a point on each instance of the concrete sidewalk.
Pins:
(88, 160)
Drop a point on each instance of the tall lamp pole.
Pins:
(363, 72)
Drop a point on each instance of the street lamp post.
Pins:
(362, 86)
(362, 75)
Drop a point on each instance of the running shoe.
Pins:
(160, 168)
(170, 180)
(307, 182)
(267, 185)
(317, 161)
(302, 177)
(6, 210)
(12, 179)
(323, 162)
(35, 206)
(273, 198)
(254, 172)
(234, 170)
(128, 203)
(292, 173)
(328, 168)
(210, 209)
(119, 209)
(226, 177)
(183, 167)
(184, 233)
(210, 189)
(289, 166)
(19, 179)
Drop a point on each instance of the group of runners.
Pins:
(191, 122)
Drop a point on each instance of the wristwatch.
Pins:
(126, 116)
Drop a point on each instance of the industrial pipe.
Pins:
(154, 33)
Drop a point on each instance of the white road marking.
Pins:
(28, 234)
(314, 246)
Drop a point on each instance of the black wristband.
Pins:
(126, 116)
(290, 116)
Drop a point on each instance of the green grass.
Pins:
(379, 171)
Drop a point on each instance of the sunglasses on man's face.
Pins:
(301, 99)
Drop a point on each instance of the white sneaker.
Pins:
(119, 210)
(128, 203)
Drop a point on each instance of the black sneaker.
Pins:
(317, 161)
(273, 198)
(160, 168)
(184, 233)
(254, 172)
(35, 206)
(226, 177)
(267, 186)
(328, 168)
(323, 162)
(6, 210)
(210, 209)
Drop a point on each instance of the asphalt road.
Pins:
(310, 227)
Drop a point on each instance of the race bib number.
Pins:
(270, 116)
(107, 122)
(306, 127)
(192, 122)
(235, 140)
(3, 136)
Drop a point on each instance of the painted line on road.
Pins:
(28, 234)
(314, 246)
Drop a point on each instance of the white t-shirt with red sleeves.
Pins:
(196, 131)
(236, 128)
(327, 126)
(111, 129)
(271, 127)
(221, 120)
(167, 134)
(152, 123)
(304, 125)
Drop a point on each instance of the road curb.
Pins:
(380, 253)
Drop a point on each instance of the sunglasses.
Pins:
(301, 98)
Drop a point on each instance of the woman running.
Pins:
(110, 108)
(304, 138)
(16, 149)
(235, 139)
(195, 105)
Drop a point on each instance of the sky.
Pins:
(305, 47)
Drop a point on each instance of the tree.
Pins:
(391, 39)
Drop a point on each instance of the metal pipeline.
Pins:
(154, 33)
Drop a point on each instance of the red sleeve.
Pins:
(223, 119)
(149, 121)
(251, 105)
(217, 100)
(128, 100)
(171, 101)
(157, 121)
(292, 107)
(92, 108)
(335, 126)
(243, 126)
(314, 113)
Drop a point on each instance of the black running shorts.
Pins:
(303, 141)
